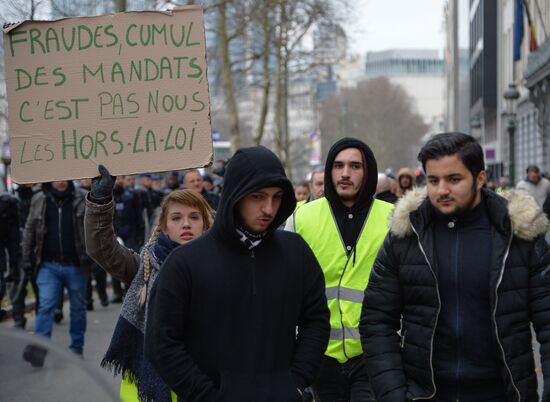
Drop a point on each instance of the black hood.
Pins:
(251, 169)
(370, 179)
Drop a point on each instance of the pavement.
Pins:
(64, 376)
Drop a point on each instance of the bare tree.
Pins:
(379, 113)
(295, 21)
(21, 10)
(233, 19)
(265, 19)
(120, 5)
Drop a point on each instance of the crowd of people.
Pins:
(37, 212)
(352, 285)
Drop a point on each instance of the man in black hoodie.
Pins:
(345, 229)
(240, 314)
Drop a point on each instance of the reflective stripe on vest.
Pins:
(345, 279)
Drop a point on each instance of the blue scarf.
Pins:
(126, 353)
(163, 247)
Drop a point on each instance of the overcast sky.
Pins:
(391, 24)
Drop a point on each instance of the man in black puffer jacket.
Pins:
(461, 275)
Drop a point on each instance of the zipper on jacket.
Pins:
(457, 317)
(253, 257)
(340, 307)
(350, 255)
(436, 317)
(495, 316)
(59, 220)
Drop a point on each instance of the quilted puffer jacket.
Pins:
(403, 298)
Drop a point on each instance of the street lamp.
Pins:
(475, 126)
(511, 96)
(6, 160)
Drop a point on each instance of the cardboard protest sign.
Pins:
(126, 90)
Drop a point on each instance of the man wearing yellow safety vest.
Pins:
(345, 229)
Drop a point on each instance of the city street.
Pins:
(63, 376)
(101, 321)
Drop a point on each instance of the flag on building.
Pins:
(532, 33)
(521, 7)
(518, 28)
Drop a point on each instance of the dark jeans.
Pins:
(51, 279)
(342, 382)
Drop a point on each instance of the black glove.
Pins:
(102, 187)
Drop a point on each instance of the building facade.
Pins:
(457, 69)
(484, 99)
(420, 73)
(529, 73)
(536, 78)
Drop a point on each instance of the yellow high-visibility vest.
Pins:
(300, 203)
(129, 392)
(346, 277)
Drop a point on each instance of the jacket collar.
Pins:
(511, 210)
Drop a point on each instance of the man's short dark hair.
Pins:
(463, 145)
(533, 168)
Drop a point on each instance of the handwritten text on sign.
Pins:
(127, 90)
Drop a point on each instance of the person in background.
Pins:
(156, 182)
(208, 183)
(184, 216)
(535, 185)
(145, 198)
(315, 190)
(24, 194)
(150, 199)
(129, 181)
(9, 245)
(503, 184)
(172, 181)
(301, 191)
(317, 184)
(384, 189)
(53, 249)
(491, 185)
(97, 273)
(405, 181)
(193, 180)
